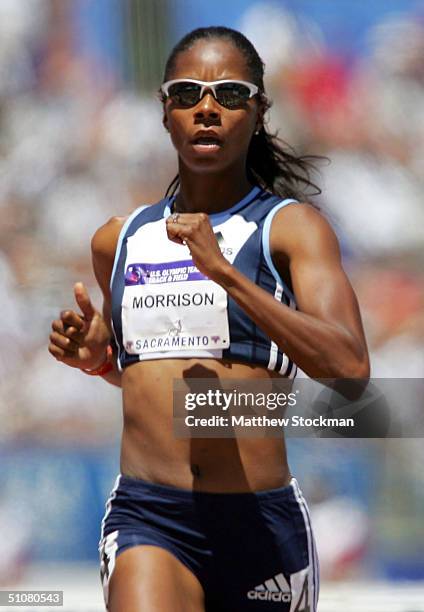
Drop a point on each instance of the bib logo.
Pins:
(175, 328)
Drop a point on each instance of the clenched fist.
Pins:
(194, 230)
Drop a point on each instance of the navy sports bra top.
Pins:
(163, 307)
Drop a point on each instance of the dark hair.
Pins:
(269, 162)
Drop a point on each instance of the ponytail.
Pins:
(274, 166)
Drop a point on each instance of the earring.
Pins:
(257, 131)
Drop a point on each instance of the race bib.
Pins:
(168, 305)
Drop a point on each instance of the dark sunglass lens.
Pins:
(232, 94)
(186, 94)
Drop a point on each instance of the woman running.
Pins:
(254, 287)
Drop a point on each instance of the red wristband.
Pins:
(103, 368)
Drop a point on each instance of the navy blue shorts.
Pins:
(250, 551)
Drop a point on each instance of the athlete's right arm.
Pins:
(81, 340)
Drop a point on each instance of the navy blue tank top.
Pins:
(163, 307)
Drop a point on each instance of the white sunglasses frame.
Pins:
(253, 89)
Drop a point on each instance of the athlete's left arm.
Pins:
(324, 337)
(327, 338)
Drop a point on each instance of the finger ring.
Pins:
(175, 217)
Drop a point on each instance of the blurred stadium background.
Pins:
(81, 139)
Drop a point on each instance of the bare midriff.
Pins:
(150, 451)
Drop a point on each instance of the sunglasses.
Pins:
(228, 93)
